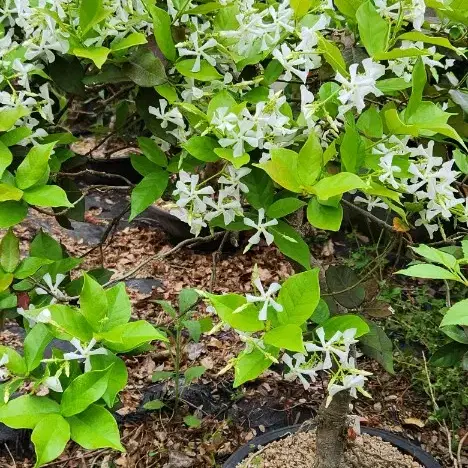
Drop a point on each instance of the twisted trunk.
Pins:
(332, 431)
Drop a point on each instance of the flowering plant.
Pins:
(245, 112)
(64, 394)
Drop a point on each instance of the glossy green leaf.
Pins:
(144, 68)
(95, 428)
(50, 437)
(93, 303)
(373, 29)
(119, 308)
(83, 391)
(47, 196)
(428, 271)
(345, 322)
(249, 366)
(377, 345)
(26, 411)
(284, 207)
(35, 343)
(162, 32)
(299, 296)
(287, 336)
(207, 72)
(337, 184)
(290, 243)
(98, 55)
(35, 166)
(457, 314)
(324, 217)
(149, 190)
(132, 40)
(202, 148)
(10, 252)
(152, 151)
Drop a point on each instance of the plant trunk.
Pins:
(331, 432)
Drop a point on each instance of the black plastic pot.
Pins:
(401, 443)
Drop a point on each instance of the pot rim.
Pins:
(403, 444)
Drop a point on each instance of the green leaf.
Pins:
(461, 160)
(397, 126)
(92, 13)
(282, 168)
(370, 123)
(377, 345)
(455, 332)
(93, 303)
(6, 157)
(9, 117)
(148, 191)
(421, 37)
(26, 411)
(345, 286)
(457, 314)
(337, 184)
(352, 150)
(310, 161)
(287, 336)
(321, 313)
(299, 296)
(152, 151)
(418, 83)
(436, 255)
(11, 213)
(237, 312)
(29, 266)
(284, 207)
(348, 7)
(131, 335)
(154, 405)
(162, 32)
(8, 192)
(332, 55)
(145, 69)
(323, 216)
(143, 165)
(193, 373)
(118, 375)
(35, 166)
(188, 298)
(373, 29)
(35, 343)
(290, 243)
(202, 148)
(427, 271)
(95, 428)
(71, 322)
(119, 307)
(192, 421)
(300, 7)
(345, 322)
(16, 364)
(131, 40)
(391, 85)
(250, 365)
(47, 196)
(12, 138)
(10, 252)
(450, 355)
(207, 72)
(83, 391)
(44, 246)
(228, 155)
(261, 189)
(98, 55)
(272, 72)
(50, 438)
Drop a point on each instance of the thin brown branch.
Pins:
(369, 215)
(216, 256)
(96, 173)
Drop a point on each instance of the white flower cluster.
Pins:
(409, 10)
(197, 204)
(427, 177)
(403, 67)
(331, 356)
(34, 35)
(266, 128)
